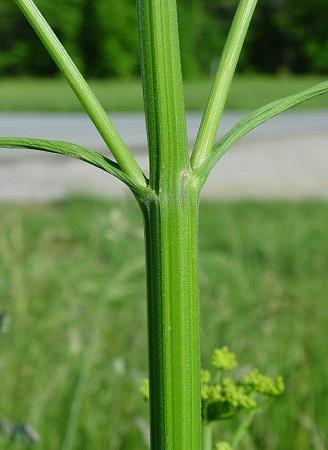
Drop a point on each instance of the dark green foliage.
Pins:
(308, 34)
(20, 49)
(286, 36)
(109, 37)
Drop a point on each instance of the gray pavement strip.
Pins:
(286, 158)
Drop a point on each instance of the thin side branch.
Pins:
(163, 91)
(75, 151)
(221, 86)
(255, 119)
(82, 90)
(243, 429)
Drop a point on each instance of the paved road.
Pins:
(286, 158)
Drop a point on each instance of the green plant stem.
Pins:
(83, 91)
(171, 224)
(207, 436)
(222, 82)
(173, 314)
(243, 429)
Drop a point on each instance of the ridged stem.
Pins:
(171, 224)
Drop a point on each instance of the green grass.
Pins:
(72, 283)
(248, 92)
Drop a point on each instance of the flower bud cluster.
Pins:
(263, 384)
(224, 359)
(224, 397)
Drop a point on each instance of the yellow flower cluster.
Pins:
(228, 391)
(224, 359)
(263, 384)
(224, 397)
(236, 395)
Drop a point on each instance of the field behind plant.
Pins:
(53, 94)
(73, 354)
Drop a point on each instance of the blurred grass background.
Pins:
(53, 94)
(72, 288)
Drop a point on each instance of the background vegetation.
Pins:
(286, 36)
(73, 290)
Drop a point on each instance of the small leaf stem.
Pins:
(252, 121)
(207, 436)
(78, 152)
(218, 96)
(83, 91)
(243, 429)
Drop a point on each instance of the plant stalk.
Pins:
(171, 224)
(243, 429)
(207, 436)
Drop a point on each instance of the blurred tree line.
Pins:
(286, 35)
